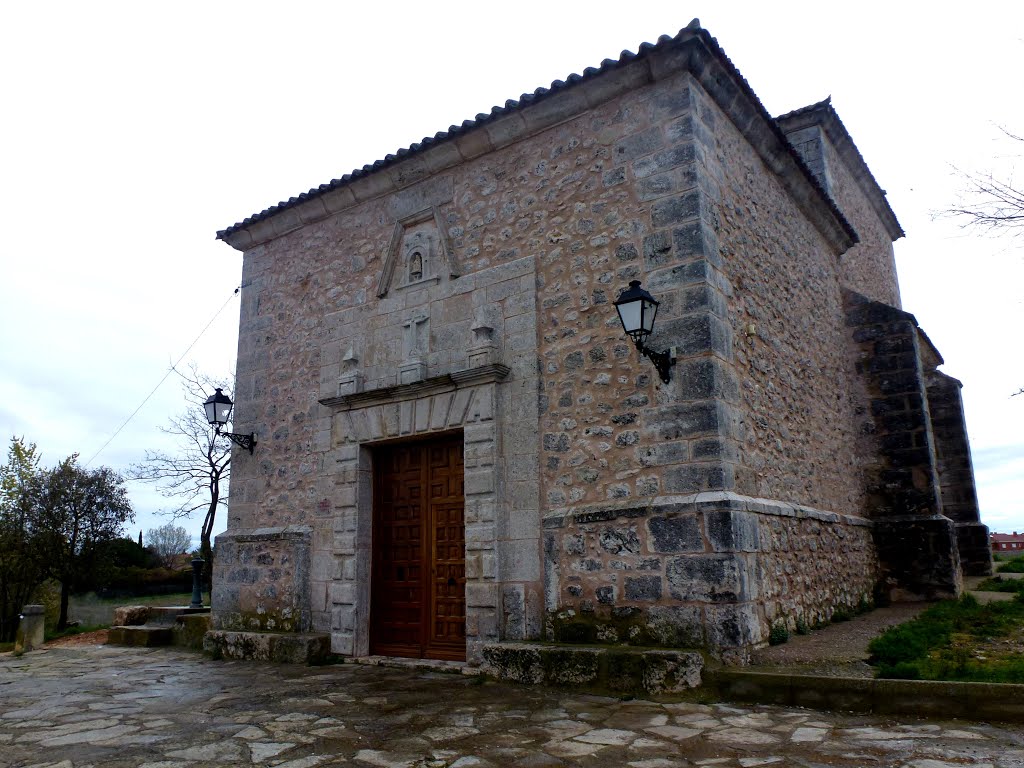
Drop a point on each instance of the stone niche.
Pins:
(262, 580)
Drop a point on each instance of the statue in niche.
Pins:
(416, 255)
(415, 266)
(419, 249)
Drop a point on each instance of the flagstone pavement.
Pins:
(74, 707)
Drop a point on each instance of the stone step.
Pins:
(602, 669)
(310, 648)
(168, 615)
(174, 625)
(146, 636)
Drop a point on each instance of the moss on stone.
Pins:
(624, 671)
(632, 628)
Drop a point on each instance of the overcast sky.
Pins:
(133, 131)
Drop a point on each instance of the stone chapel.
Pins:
(458, 445)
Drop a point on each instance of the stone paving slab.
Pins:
(121, 707)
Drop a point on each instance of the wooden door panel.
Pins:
(418, 603)
(397, 576)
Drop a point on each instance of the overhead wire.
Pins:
(164, 378)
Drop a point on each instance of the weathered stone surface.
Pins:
(675, 534)
(31, 628)
(73, 699)
(265, 646)
(612, 669)
(708, 578)
(130, 615)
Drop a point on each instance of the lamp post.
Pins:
(637, 310)
(218, 410)
(197, 582)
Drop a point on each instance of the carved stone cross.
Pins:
(416, 338)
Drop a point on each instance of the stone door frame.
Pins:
(461, 402)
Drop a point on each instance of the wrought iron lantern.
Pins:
(218, 411)
(637, 310)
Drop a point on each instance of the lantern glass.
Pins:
(218, 408)
(637, 310)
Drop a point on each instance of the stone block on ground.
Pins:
(612, 669)
(130, 615)
(144, 636)
(268, 646)
(31, 626)
(190, 629)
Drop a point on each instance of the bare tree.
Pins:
(167, 541)
(197, 473)
(992, 203)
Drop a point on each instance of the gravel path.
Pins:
(839, 649)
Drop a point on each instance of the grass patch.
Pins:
(159, 601)
(1013, 565)
(999, 584)
(951, 641)
(6, 647)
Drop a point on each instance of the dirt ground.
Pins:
(839, 649)
(99, 637)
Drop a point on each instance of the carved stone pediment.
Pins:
(418, 254)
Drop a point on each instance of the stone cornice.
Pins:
(693, 50)
(449, 382)
(697, 502)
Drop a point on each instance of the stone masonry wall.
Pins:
(610, 429)
(869, 267)
(797, 408)
(815, 564)
(714, 570)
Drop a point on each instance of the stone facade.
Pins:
(805, 458)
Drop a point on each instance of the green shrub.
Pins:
(47, 595)
(802, 628)
(779, 634)
(840, 614)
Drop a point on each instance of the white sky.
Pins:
(132, 132)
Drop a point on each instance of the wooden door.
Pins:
(418, 589)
